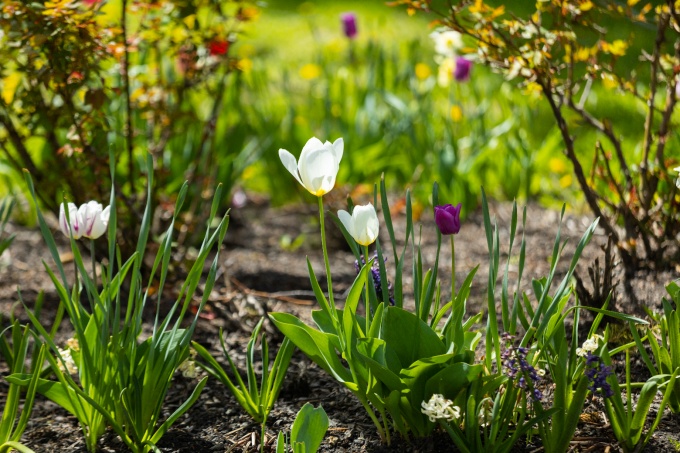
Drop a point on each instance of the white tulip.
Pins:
(74, 225)
(362, 224)
(95, 219)
(318, 166)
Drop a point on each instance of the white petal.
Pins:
(346, 220)
(72, 225)
(100, 223)
(312, 144)
(366, 225)
(288, 161)
(89, 212)
(338, 148)
(318, 170)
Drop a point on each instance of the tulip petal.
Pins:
(288, 161)
(346, 220)
(100, 223)
(312, 144)
(338, 148)
(318, 169)
(73, 225)
(366, 225)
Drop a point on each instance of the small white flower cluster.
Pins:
(188, 368)
(67, 364)
(677, 169)
(440, 408)
(588, 346)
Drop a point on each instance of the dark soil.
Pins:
(259, 274)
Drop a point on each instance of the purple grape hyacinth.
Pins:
(597, 372)
(516, 364)
(375, 273)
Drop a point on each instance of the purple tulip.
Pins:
(462, 71)
(349, 24)
(447, 218)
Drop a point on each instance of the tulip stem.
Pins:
(325, 256)
(368, 300)
(453, 269)
(94, 264)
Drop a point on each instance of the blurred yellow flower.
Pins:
(422, 71)
(445, 73)
(566, 180)
(618, 47)
(533, 88)
(245, 64)
(609, 81)
(9, 86)
(456, 114)
(557, 165)
(310, 71)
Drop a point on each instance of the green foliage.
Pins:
(256, 400)
(122, 381)
(6, 207)
(664, 340)
(556, 48)
(15, 352)
(138, 78)
(308, 430)
(628, 420)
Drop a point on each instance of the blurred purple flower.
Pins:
(463, 69)
(447, 218)
(349, 24)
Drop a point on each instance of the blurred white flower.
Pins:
(318, 165)
(362, 224)
(677, 181)
(440, 408)
(447, 42)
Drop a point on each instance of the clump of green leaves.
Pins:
(256, 400)
(15, 352)
(109, 376)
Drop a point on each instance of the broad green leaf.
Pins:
(309, 427)
(453, 379)
(381, 361)
(410, 337)
(318, 346)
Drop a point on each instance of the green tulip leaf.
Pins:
(309, 427)
(410, 337)
(318, 346)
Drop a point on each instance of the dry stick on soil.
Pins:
(284, 296)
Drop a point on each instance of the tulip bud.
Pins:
(447, 218)
(463, 69)
(318, 166)
(94, 218)
(73, 226)
(362, 224)
(349, 24)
